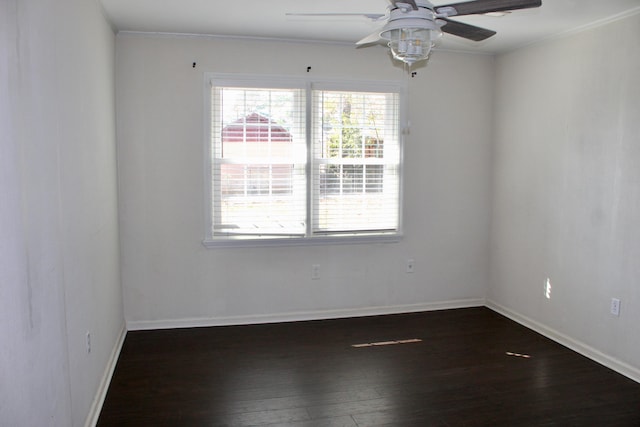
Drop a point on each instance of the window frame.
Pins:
(308, 84)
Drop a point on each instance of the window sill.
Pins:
(241, 242)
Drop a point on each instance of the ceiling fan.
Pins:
(413, 26)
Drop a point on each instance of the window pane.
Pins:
(259, 154)
(356, 162)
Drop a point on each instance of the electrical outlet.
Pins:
(615, 306)
(315, 271)
(88, 342)
(410, 265)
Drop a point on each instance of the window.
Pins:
(298, 161)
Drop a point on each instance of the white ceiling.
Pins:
(267, 19)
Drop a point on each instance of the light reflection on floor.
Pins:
(524, 356)
(381, 343)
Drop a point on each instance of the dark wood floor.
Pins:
(473, 367)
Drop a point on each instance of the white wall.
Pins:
(170, 279)
(567, 190)
(59, 256)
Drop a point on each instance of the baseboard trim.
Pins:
(101, 394)
(575, 345)
(302, 315)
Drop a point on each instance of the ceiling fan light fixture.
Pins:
(410, 44)
(411, 41)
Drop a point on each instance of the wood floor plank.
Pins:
(472, 367)
(344, 421)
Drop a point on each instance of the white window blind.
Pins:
(259, 161)
(303, 161)
(356, 184)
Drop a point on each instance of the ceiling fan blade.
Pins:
(372, 16)
(371, 38)
(467, 31)
(485, 6)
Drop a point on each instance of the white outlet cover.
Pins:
(410, 265)
(615, 306)
(315, 271)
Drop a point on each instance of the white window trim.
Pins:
(261, 81)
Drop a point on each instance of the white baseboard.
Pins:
(101, 394)
(575, 345)
(302, 315)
